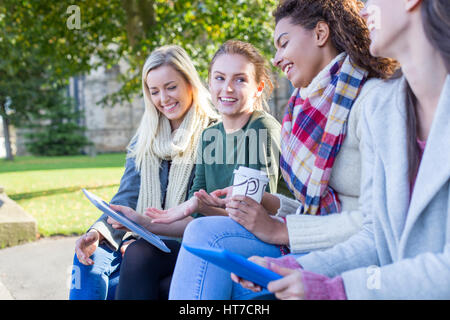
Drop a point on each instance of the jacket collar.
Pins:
(434, 170)
(396, 165)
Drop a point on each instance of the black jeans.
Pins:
(146, 271)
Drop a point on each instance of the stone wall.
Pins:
(109, 128)
(16, 226)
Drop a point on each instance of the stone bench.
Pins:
(16, 226)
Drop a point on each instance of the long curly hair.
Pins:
(348, 30)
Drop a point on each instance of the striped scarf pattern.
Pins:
(312, 133)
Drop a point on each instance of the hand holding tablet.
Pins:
(235, 263)
(126, 222)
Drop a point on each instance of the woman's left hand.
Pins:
(173, 214)
(252, 216)
(214, 199)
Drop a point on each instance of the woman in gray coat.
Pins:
(403, 250)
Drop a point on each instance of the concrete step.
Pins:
(16, 225)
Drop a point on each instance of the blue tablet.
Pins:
(235, 263)
(131, 225)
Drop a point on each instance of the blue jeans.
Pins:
(195, 278)
(99, 281)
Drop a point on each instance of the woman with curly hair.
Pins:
(403, 249)
(323, 48)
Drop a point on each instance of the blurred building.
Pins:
(111, 128)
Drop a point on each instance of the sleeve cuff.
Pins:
(287, 206)
(318, 287)
(285, 262)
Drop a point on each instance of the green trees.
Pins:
(43, 42)
(39, 53)
(199, 26)
(55, 130)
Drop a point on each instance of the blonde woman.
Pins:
(177, 109)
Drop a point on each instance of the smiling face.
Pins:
(232, 84)
(298, 54)
(170, 93)
(387, 20)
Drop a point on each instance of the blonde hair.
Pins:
(149, 128)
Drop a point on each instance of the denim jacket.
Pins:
(128, 194)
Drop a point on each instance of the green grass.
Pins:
(49, 188)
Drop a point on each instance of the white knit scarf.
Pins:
(181, 148)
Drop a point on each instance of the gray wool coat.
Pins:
(403, 250)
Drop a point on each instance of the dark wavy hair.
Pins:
(348, 30)
(436, 24)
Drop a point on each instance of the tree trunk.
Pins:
(140, 19)
(9, 155)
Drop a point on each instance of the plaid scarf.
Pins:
(313, 131)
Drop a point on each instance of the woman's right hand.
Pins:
(173, 214)
(86, 246)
